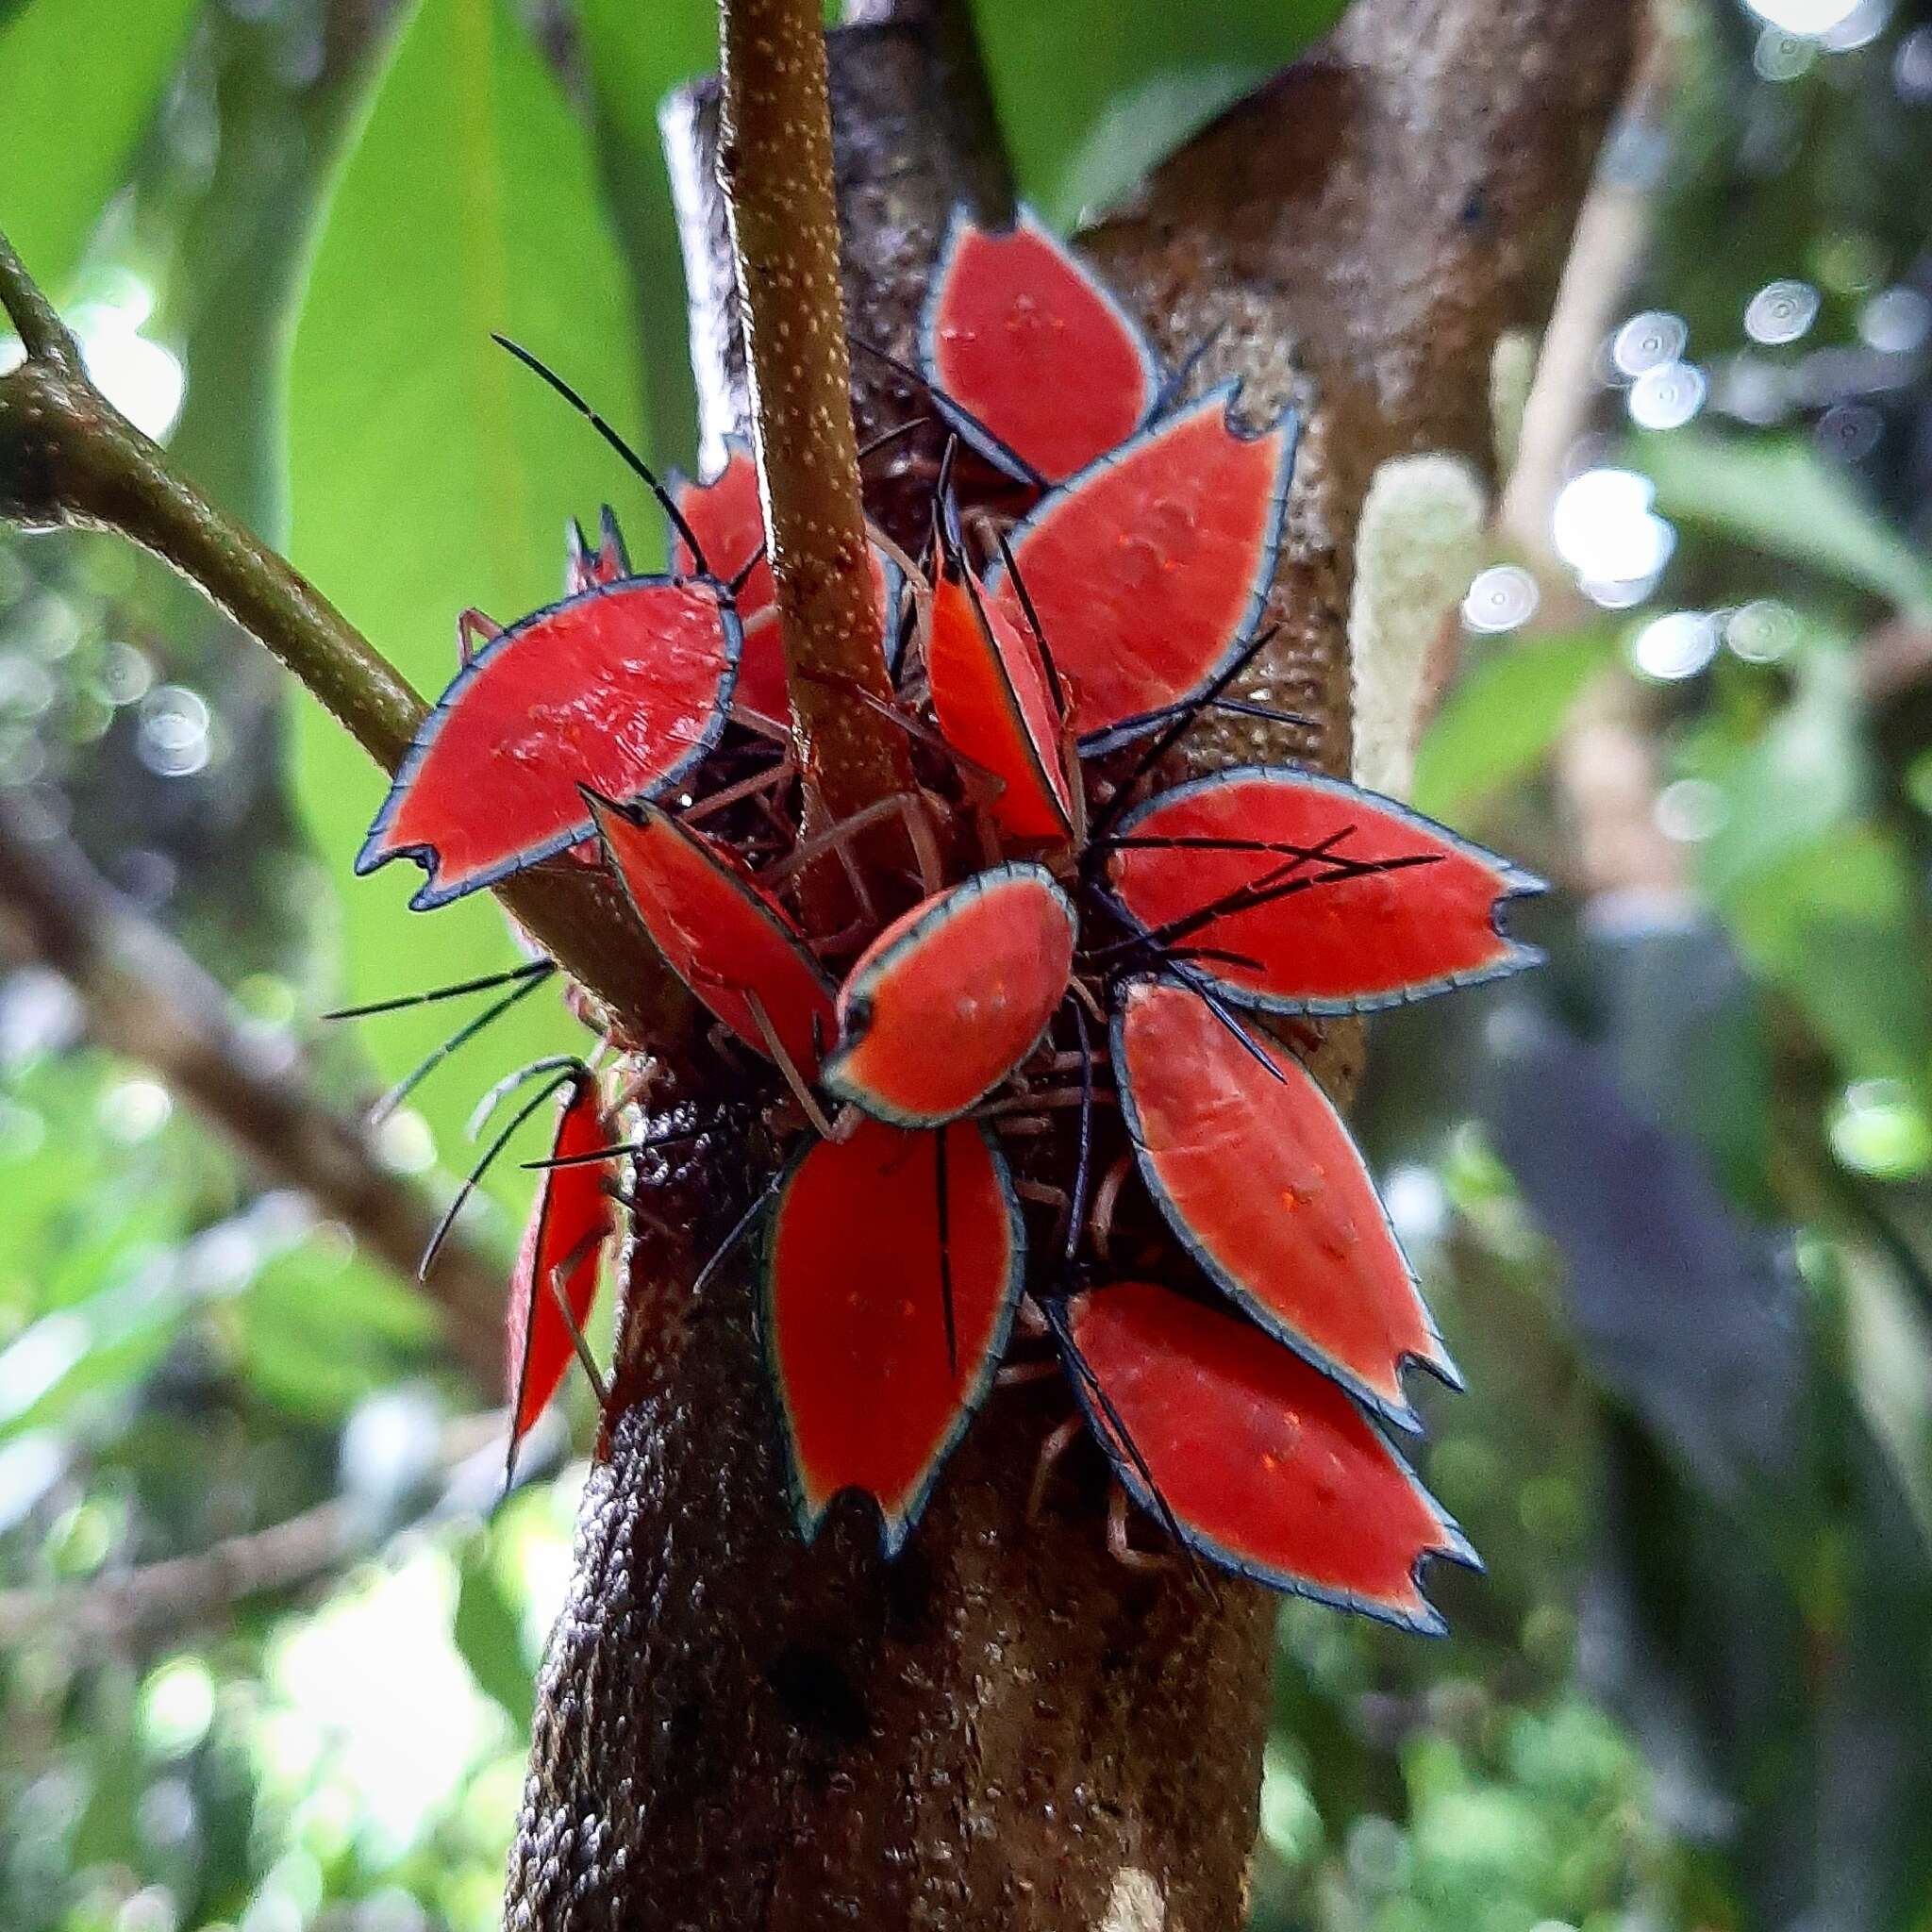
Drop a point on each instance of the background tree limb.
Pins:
(145, 999)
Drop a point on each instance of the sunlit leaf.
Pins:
(630, 73)
(430, 472)
(489, 1633)
(79, 81)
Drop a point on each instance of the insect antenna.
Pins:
(533, 969)
(1172, 735)
(886, 438)
(1019, 583)
(458, 1039)
(1076, 1211)
(737, 582)
(1273, 886)
(564, 1069)
(1238, 898)
(632, 460)
(740, 1228)
(555, 1279)
(616, 1150)
(954, 412)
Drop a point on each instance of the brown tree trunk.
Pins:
(1005, 1729)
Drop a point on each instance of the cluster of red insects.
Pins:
(1237, 1384)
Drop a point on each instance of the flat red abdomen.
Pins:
(1334, 933)
(622, 689)
(1020, 334)
(1149, 570)
(952, 996)
(1266, 1466)
(570, 1219)
(853, 1315)
(1265, 1187)
(720, 932)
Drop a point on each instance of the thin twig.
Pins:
(68, 457)
(776, 166)
(43, 334)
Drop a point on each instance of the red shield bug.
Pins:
(892, 1266)
(952, 996)
(1150, 568)
(555, 1284)
(994, 699)
(1028, 355)
(727, 938)
(1308, 895)
(1254, 1172)
(1257, 1461)
(623, 689)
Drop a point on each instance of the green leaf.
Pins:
(1833, 923)
(79, 81)
(489, 1633)
(319, 1331)
(1501, 719)
(1778, 495)
(1806, 773)
(431, 473)
(630, 74)
(1091, 95)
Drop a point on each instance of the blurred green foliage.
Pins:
(1672, 1201)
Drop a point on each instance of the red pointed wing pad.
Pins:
(569, 1221)
(952, 996)
(1260, 1179)
(726, 937)
(1020, 335)
(994, 704)
(1265, 1466)
(761, 687)
(623, 690)
(1330, 933)
(853, 1313)
(1149, 570)
(727, 518)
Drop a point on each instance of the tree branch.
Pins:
(43, 334)
(145, 999)
(776, 166)
(180, 1590)
(69, 459)
(152, 1602)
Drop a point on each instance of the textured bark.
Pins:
(1005, 1729)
